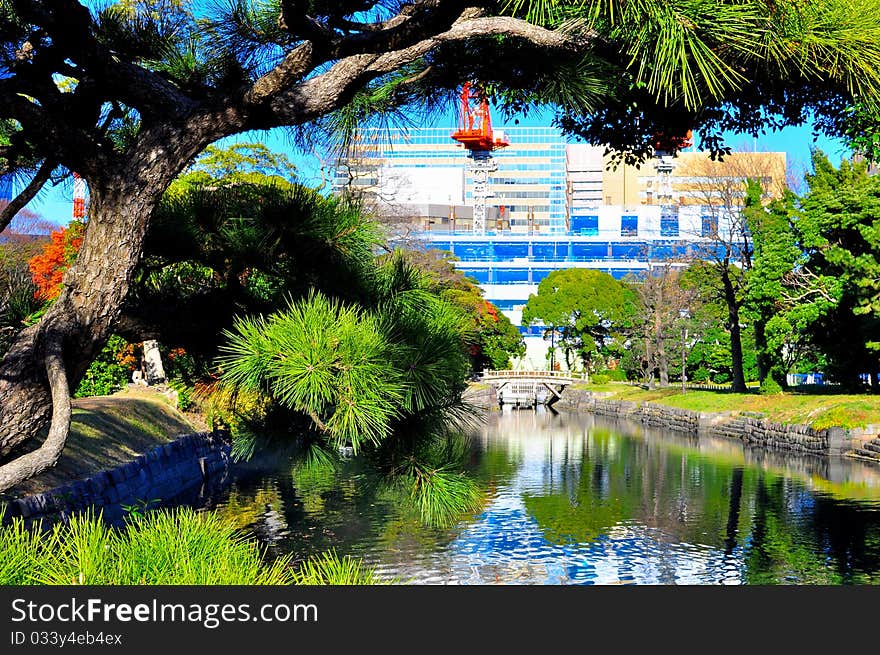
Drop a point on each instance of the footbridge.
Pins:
(531, 388)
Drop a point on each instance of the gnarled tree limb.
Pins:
(27, 194)
(26, 466)
(326, 92)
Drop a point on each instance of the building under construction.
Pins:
(549, 205)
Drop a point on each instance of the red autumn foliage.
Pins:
(491, 310)
(48, 267)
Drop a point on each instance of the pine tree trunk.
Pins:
(82, 317)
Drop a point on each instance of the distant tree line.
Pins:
(792, 285)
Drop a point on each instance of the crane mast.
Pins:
(79, 197)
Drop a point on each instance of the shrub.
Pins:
(615, 374)
(110, 371)
(354, 371)
(770, 386)
(49, 266)
(184, 393)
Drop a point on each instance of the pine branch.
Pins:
(324, 93)
(28, 193)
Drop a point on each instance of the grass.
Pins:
(330, 569)
(107, 431)
(819, 410)
(170, 547)
(162, 547)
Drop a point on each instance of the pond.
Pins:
(576, 499)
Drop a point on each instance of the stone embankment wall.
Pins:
(754, 431)
(159, 474)
(481, 395)
(868, 448)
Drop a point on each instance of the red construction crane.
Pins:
(475, 125)
(667, 143)
(475, 134)
(79, 197)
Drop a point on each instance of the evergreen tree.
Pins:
(835, 286)
(127, 94)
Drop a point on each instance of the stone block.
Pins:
(117, 475)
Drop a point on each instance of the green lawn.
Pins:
(820, 410)
(107, 431)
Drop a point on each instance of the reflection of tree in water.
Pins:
(580, 483)
(801, 538)
(400, 499)
(620, 479)
(771, 528)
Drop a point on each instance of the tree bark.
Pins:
(738, 383)
(761, 350)
(663, 364)
(94, 288)
(23, 467)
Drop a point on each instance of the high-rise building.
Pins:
(397, 168)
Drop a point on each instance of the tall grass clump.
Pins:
(330, 569)
(18, 547)
(163, 547)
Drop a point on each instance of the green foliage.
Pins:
(421, 476)
(779, 326)
(427, 475)
(770, 386)
(685, 65)
(494, 339)
(110, 371)
(590, 309)
(240, 162)
(834, 288)
(354, 371)
(223, 249)
(330, 569)
(663, 68)
(161, 547)
(614, 374)
(710, 360)
(184, 393)
(18, 303)
(245, 413)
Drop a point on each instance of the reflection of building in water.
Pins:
(559, 459)
(592, 501)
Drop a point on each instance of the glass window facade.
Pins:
(709, 225)
(669, 222)
(585, 225)
(6, 188)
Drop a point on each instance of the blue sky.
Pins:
(56, 204)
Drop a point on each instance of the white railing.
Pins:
(555, 375)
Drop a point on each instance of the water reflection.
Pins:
(571, 499)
